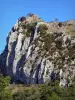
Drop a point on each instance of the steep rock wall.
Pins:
(37, 52)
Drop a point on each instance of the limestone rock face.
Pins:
(37, 52)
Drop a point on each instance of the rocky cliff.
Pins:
(38, 52)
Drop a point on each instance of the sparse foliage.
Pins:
(42, 29)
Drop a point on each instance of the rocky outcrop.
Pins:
(37, 52)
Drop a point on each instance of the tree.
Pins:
(5, 92)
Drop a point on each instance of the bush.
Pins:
(48, 39)
(30, 28)
(5, 93)
(26, 33)
(42, 29)
(60, 24)
(19, 96)
(50, 91)
(4, 82)
(27, 94)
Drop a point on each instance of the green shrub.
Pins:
(49, 91)
(26, 33)
(48, 39)
(24, 26)
(29, 28)
(27, 94)
(4, 81)
(60, 24)
(42, 29)
(5, 93)
(19, 96)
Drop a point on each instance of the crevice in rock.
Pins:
(37, 72)
(20, 65)
(11, 59)
(22, 44)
